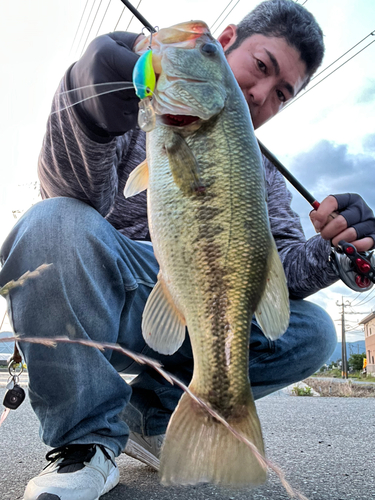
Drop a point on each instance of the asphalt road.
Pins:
(325, 446)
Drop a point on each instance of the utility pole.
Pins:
(344, 358)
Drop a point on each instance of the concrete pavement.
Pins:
(324, 446)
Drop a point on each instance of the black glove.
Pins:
(108, 59)
(357, 214)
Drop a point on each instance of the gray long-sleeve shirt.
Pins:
(72, 164)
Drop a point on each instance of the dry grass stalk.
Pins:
(334, 388)
(13, 284)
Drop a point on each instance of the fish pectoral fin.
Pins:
(163, 325)
(183, 165)
(137, 180)
(273, 313)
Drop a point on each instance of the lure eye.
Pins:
(209, 48)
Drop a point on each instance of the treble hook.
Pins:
(154, 30)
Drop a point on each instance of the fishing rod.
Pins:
(356, 270)
(139, 16)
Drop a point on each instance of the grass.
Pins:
(302, 391)
(332, 388)
(359, 376)
(336, 373)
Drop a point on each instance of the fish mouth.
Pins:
(178, 120)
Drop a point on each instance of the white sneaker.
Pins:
(145, 448)
(76, 472)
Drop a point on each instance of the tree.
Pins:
(356, 361)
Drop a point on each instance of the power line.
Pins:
(295, 100)
(75, 36)
(363, 297)
(356, 297)
(131, 19)
(368, 300)
(361, 302)
(217, 27)
(92, 24)
(84, 29)
(119, 19)
(354, 329)
(344, 54)
(105, 13)
(212, 25)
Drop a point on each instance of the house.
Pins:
(369, 324)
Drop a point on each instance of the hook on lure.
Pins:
(144, 80)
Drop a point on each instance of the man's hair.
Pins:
(289, 20)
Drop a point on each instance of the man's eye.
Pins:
(261, 66)
(281, 96)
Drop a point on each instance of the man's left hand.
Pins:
(352, 220)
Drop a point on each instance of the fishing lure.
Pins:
(144, 82)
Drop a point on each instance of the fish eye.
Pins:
(209, 48)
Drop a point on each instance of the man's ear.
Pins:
(228, 36)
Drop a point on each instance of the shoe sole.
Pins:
(112, 481)
(137, 451)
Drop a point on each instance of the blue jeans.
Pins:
(97, 289)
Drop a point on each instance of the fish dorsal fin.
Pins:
(163, 325)
(272, 313)
(183, 165)
(137, 180)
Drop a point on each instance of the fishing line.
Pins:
(94, 85)
(125, 86)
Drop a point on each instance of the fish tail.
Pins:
(199, 449)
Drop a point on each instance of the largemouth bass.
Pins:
(218, 261)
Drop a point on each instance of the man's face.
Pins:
(268, 70)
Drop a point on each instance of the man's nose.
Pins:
(259, 93)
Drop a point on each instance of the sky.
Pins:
(326, 138)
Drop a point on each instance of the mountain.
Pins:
(351, 348)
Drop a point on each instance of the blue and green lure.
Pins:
(144, 82)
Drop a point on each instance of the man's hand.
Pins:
(108, 59)
(345, 217)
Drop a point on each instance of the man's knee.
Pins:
(55, 231)
(59, 216)
(319, 331)
(51, 226)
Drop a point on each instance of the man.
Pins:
(104, 267)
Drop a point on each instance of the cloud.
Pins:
(329, 168)
(368, 143)
(367, 94)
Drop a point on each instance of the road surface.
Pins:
(325, 446)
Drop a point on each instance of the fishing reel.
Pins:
(356, 270)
